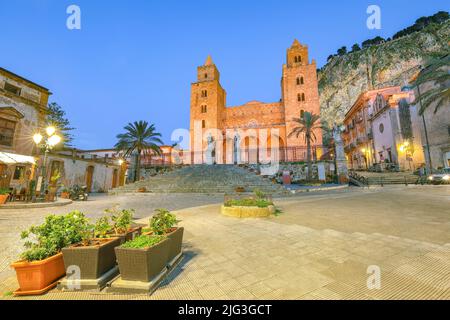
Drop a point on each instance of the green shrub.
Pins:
(121, 219)
(162, 221)
(102, 228)
(142, 242)
(249, 202)
(4, 191)
(260, 194)
(55, 233)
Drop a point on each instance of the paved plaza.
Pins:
(319, 247)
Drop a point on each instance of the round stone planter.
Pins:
(247, 212)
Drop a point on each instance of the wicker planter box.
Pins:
(143, 264)
(176, 242)
(93, 261)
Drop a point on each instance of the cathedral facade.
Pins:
(256, 131)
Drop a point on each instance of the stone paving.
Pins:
(320, 247)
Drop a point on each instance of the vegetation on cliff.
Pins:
(380, 63)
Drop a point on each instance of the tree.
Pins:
(437, 73)
(140, 138)
(56, 117)
(342, 51)
(373, 42)
(356, 47)
(307, 124)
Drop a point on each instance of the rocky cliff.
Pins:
(392, 63)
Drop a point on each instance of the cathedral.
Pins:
(256, 132)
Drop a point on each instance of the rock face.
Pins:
(390, 64)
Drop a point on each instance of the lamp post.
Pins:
(47, 142)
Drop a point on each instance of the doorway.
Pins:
(89, 177)
(115, 178)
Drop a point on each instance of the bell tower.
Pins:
(300, 91)
(208, 101)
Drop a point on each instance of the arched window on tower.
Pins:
(203, 124)
(204, 109)
(295, 59)
(299, 58)
(302, 114)
(204, 93)
(206, 76)
(300, 81)
(303, 97)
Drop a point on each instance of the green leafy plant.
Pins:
(4, 191)
(142, 242)
(121, 219)
(249, 202)
(102, 228)
(259, 194)
(55, 233)
(162, 221)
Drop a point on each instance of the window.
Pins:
(19, 173)
(302, 114)
(204, 109)
(204, 93)
(381, 128)
(7, 129)
(12, 89)
(300, 81)
(203, 124)
(301, 97)
(206, 76)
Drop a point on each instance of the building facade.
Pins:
(23, 106)
(256, 131)
(23, 110)
(382, 131)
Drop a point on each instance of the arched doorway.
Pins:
(89, 178)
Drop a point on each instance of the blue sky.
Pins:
(135, 60)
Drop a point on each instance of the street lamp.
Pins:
(47, 143)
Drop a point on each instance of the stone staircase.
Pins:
(389, 178)
(204, 179)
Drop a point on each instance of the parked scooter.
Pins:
(78, 193)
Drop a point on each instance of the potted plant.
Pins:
(143, 258)
(122, 224)
(164, 223)
(4, 194)
(65, 193)
(94, 254)
(42, 263)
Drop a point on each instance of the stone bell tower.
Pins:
(208, 100)
(299, 90)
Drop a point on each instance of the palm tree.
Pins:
(437, 72)
(308, 123)
(140, 138)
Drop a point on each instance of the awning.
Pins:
(12, 158)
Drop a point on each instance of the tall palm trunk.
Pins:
(308, 156)
(138, 166)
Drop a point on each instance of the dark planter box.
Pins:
(176, 241)
(93, 261)
(143, 264)
(134, 232)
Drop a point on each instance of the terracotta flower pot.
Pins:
(143, 264)
(93, 261)
(65, 195)
(3, 198)
(38, 277)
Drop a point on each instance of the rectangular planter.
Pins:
(176, 242)
(143, 264)
(36, 276)
(93, 261)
